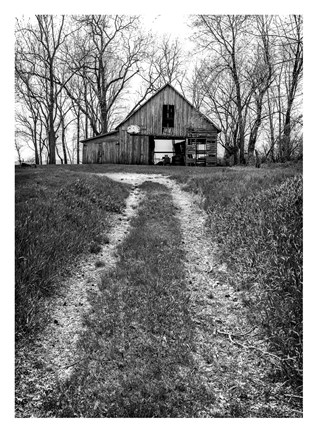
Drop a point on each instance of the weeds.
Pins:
(256, 222)
(59, 215)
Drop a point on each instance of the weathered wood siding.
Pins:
(134, 149)
(149, 117)
(122, 147)
(119, 148)
(102, 150)
(210, 138)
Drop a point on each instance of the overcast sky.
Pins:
(175, 24)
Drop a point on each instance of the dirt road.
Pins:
(216, 309)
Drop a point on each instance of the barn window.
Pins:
(197, 150)
(168, 116)
(201, 147)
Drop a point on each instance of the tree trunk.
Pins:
(239, 107)
(51, 138)
(254, 132)
(41, 145)
(19, 152)
(51, 133)
(241, 146)
(86, 126)
(104, 118)
(35, 144)
(64, 143)
(78, 135)
(235, 149)
(272, 137)
(286, 140)
(61, 159)
(51, 145)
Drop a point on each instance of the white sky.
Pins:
(175, 24)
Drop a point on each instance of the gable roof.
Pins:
(113, 132)
(179, 94)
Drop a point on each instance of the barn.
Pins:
(166, 129)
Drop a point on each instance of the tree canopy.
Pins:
(79, 76)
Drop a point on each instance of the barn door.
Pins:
(151, 149)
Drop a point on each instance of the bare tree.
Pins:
(18, 146)
(195, 86)
(284, 99)
(275, 106)
(30, 120)
(65, 119)
(291, 32)
(224, 36)
(74, 76)
(38, 47)
(164, 63)
(112, 48)
(250, 79)
(261, 75)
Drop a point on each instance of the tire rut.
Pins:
(53, 354)
(217, 311)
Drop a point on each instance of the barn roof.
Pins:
(116, 130)
(113, 132)
(155, 94)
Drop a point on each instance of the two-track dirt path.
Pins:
(217, 312)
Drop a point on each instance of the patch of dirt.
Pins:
(53, 354)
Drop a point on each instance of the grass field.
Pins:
(255, 224)
(59, 216)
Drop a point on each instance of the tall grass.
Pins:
(58, 216)
(260, 238)
(255, 218)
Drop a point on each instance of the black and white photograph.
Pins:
(158, 215)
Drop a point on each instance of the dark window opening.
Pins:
(168, 116)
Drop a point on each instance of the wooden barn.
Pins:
(166, 129)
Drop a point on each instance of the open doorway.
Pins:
(167, 151)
